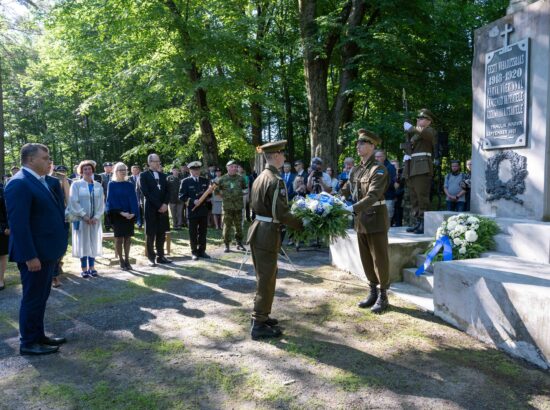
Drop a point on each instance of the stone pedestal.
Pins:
(403, 248)
(533, 23)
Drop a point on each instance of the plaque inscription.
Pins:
(506, 96)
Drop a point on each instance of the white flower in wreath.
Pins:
(327, 207)
(473, 220)
(439, 233)
(451, 225)
(457, 241)
(313, 205)
(462, 250)
(461, 229)
(471, 236)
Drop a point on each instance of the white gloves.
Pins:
(407, 126)
(349, 208)
(406, 157)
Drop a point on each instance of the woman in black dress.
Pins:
(4, 238)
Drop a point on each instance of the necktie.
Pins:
(43, 181)
(196, 179)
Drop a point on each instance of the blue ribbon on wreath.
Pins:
(443, 242)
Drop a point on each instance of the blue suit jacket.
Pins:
(289, 184)
(36, 218)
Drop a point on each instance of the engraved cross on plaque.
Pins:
(507, 30)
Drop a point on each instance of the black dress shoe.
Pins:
(263, 331)
(194, 258)
(152, 262)
(204, 255)
(241, 247)
(128, 266)
(162, 259)
(37, 349)
(52, 341)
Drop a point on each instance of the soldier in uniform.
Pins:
(231, 186)
(269, 201)
(367, 184)
(419, 182)
(191, 190)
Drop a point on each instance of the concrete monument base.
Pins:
(404, 247)
(501, 300)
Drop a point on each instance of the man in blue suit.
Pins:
(36, 216)
(288, 176)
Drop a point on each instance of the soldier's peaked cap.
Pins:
(368, 136)
(425, 113)
(194, 164)
(275, 146)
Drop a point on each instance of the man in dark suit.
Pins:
(36, 215)
(288, 176)
(155, 191)
(134, 180)
(106, 177)
(191, 189)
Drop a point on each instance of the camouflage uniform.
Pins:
(231, 189)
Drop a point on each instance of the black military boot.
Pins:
(240, 246)
(381, 303)
(420, 229)
(262, 331)
(371, 298)
(226, 248)
(414, 227)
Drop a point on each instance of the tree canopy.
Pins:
(213, 79)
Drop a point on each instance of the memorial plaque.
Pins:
(506, 96)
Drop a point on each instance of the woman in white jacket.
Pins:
(86, 205)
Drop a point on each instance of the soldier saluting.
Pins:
(367, 185)
(419, 182)
(269, 201)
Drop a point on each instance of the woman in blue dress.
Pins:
(123, 208)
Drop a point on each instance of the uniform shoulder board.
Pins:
(380, 171)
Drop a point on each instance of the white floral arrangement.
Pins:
(470, 235)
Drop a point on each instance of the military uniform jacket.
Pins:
(191, 190)
(231, 188)
(174, 184)
(423, 141)
(367, 185)
(269, 199)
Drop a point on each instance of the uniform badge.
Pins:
(283, 191)
(380, 172)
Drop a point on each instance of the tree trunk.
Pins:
(209, 143)
(289, 126)
(2, 130)
(324, 121)
(208, 138)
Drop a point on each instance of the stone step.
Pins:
(424, 281)
(403, 248)
(501, 300)
(414, 295)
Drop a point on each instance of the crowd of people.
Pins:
(87, 203)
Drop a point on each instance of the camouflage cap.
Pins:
(231, 162)
(194, 165)
(368, 136)
(425, 113)
(275, 146)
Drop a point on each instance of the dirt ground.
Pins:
(177, 337)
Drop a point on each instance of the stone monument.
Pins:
(511, 118)
(504, 298)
